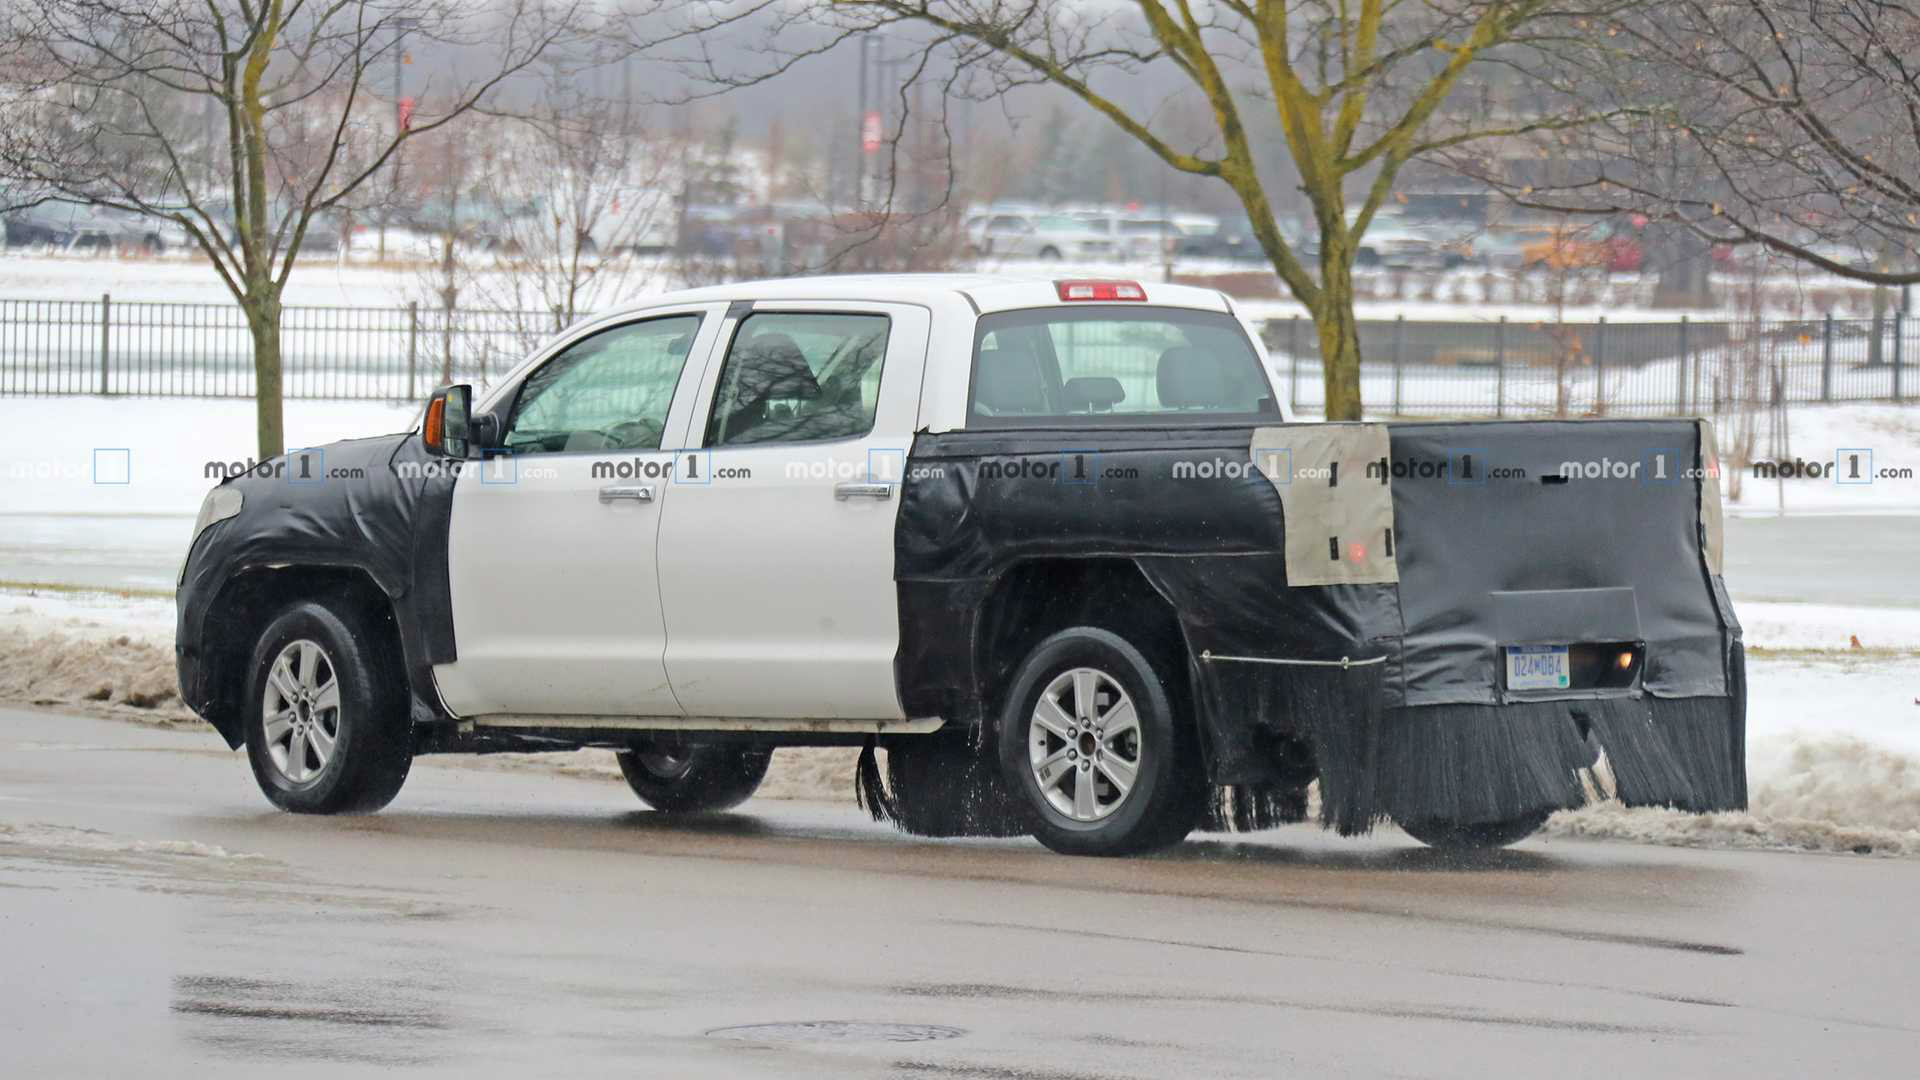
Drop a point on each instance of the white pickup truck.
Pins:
(1054, 547)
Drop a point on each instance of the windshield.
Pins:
(1114, 364)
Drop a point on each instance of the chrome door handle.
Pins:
(858, 489)
(636, 492)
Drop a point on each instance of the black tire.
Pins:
(1480, 836)
(1050, 253)
(1164, 802)
(369, 726)
(679, 778)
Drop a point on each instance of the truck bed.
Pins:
(1370, 629)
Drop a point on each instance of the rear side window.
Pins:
(799, 377)
(1114, 365)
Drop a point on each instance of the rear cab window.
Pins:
(1115, 365)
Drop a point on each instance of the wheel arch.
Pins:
(240, 610)
(1035, 598)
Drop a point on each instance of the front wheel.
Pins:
(1090, 746)
(329, 729)
(684, 778)
(1480, 836)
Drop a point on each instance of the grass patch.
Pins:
(1865, 655)
(65, 589)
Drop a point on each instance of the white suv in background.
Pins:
(1019, 235)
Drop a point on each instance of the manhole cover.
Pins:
(838, 1031)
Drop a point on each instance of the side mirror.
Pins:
(449, 421)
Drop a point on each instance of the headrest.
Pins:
(1193, 378)
(1093, 393)
(772, 366)
(1008, 381)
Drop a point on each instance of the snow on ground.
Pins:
(98, 455)
(1884, 439)
(1790, 626)
(63, 838)
(323, 280)
(317, 281)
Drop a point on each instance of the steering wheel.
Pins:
(641, 434)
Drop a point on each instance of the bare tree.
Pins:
(243, 121)
(1793, 125)
(1356, 88)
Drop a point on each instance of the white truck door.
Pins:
(551, 549)
(776, 555)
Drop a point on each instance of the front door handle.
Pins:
(860, 489)
(636, 492)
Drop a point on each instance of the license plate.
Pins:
(1537, 667)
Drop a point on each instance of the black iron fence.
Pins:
(109, 346)
(1503, 368)
(1493, 367)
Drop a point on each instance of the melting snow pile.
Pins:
(56, 669)
(67, 838)
(1824, 793)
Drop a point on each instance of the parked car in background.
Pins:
(1398, 244)
(65, 226)
(1232, 240)
(1134, 236)
(1019, 235)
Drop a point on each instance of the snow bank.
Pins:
(89, 667)
(1829, 793)
(121, 672)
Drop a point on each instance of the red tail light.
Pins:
(1100, 290)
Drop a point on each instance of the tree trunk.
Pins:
(263, 322)
(1339, 340)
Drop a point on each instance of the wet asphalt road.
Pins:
(495, 923)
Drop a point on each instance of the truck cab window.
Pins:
(1103, 365)
(609, 391)
(799, 378)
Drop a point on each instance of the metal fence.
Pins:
(1466, 368)
(1500, 368)
(109, 346)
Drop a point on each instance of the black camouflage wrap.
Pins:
(378, 506)
(1426, 732)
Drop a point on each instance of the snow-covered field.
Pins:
(323, 281)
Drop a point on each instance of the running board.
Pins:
(924, 726)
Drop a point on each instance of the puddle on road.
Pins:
(352, 1021)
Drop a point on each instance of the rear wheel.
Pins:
(1452, 836)
(329, 729)
(689, 778)
(1090, 748)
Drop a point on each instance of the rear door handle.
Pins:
(860, 489)
(636, 492)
